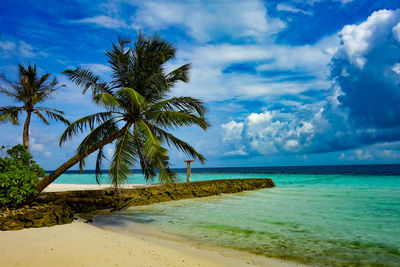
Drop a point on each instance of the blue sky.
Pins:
(299, 82)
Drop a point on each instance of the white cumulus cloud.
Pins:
(233, 131)
(268, 133)
(357, 40)
(351, 115)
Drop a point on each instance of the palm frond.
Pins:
(15, 91)
(107, 101)
(136, 96)
(180, 74)
(46, 89)
(166, 175)
(180, 104)
(10, 114)
(155, 156)
(98, 171)
(145, 164)
(50, 109)
(9, 93)
(54, 116)
(94, 138)
(123, 158)
(181, 145)
(43, 79)
(169, 119)
(155, 87)
(88, 80)
(107, 128)
(31, 89)
(155, 45)
(119, 59)
(84, 123)
(131, 100)
(40, 115)
(82, 163)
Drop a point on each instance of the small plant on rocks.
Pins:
(19, 175)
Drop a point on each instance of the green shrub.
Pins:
(19, 175)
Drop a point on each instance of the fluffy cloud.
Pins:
(365, 69)
(362, 107)
(270, 70)
(245, 37)
(206, 21)
(268, 133)
(233, 135)
(202, 21)
(359, 40)
(233, 131)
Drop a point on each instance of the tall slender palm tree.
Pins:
(138, 113)
(30, 89)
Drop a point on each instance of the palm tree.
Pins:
(29, 90)
(138, 114)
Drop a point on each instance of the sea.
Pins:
(317, 215)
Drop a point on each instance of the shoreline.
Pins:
(231, 256)
(61, 202)
(79, 187)
(84, 244)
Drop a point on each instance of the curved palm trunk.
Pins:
(25, 134)
(42, 184)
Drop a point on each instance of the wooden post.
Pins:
(188, 171)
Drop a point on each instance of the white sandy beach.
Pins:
(82, 244)
(76, 187)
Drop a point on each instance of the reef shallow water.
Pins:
(318, 219)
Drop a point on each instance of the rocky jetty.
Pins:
(54, 208)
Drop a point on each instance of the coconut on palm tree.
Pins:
(137, 113)
(29, 90)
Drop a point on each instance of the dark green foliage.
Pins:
(138, 110)
(29, 90)
(19, 175)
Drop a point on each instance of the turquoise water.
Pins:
(319, 219)
(137, 178)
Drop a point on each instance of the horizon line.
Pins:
(276, 166)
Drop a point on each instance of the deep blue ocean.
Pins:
(88, 176)
(318, 215)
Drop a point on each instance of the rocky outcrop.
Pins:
(36, 216)
(59, 207)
